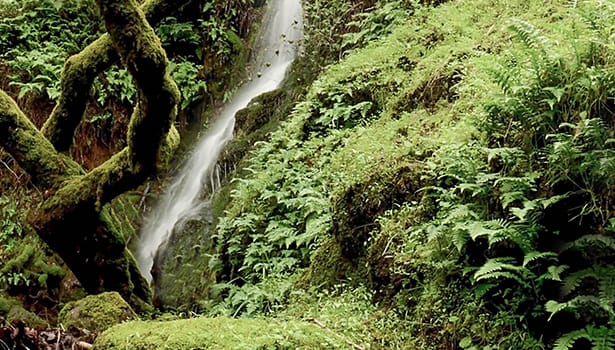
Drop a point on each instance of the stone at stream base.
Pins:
(11, 309)
(96, 313)
(218, 333)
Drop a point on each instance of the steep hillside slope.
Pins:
(457, 173)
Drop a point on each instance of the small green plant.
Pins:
(11, 232)
(370, 26)
(10, 227)
(191, 85)
(38, 35)
(172, 32)
(115, 84)
(39, 71)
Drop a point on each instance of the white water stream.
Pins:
(274, 51)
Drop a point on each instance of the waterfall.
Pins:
(275, 49)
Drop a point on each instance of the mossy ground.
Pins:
(218, 333)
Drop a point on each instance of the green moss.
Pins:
(327, 267)
(168, 149)
(6, 304)
(96, 313)
(218, 333)
(122, 214)
(11, 309)
(77, 76)
(34, 153)
(185, 275)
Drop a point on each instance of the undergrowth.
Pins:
(462, 173)
(446, 182)
(204, 41)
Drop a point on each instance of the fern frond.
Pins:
(507, 198)
(505, 80)
(606, 286)
(496, 264)
(533, 256)
(582, 301)
(478, 229)
(504, 275)
(567, 341)
(491, 266)
(604, 275)
(529, 35)
(554, 308)
(574, 280)
(482, 289)
(602, 338)
(502, 268)
(554, 272)
(460, 238)
(591, 240)
(573, 4)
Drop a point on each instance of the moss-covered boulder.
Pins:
(96, 313)
(218, 333)
(11, 309)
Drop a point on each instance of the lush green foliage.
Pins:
(447, 161)
(447, 182)
(38, 36)
(10, 233)
(27, 270)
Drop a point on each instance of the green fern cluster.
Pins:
(10, 228)
(278, 215)
(38, 35)
(542, 88)
(531, 211)
(557, 110)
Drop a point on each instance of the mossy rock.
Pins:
(11, 310)
(327, 268)
(96, 313)
(217, 333)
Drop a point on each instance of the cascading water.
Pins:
(275, 50)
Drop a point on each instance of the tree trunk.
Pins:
(73, 219)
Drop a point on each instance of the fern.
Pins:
(567, 341)
(483, 289)
(554, 273)
(604, 275)
(506, 78)
(502, 268)
(501, 230)
(555, 307)
(591, 241)
(529, 35)
(577, 304)
(534, 256)
(601, 338)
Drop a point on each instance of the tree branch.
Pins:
(80, 71)
(73, 219)
(77, 77)
(32, 151)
